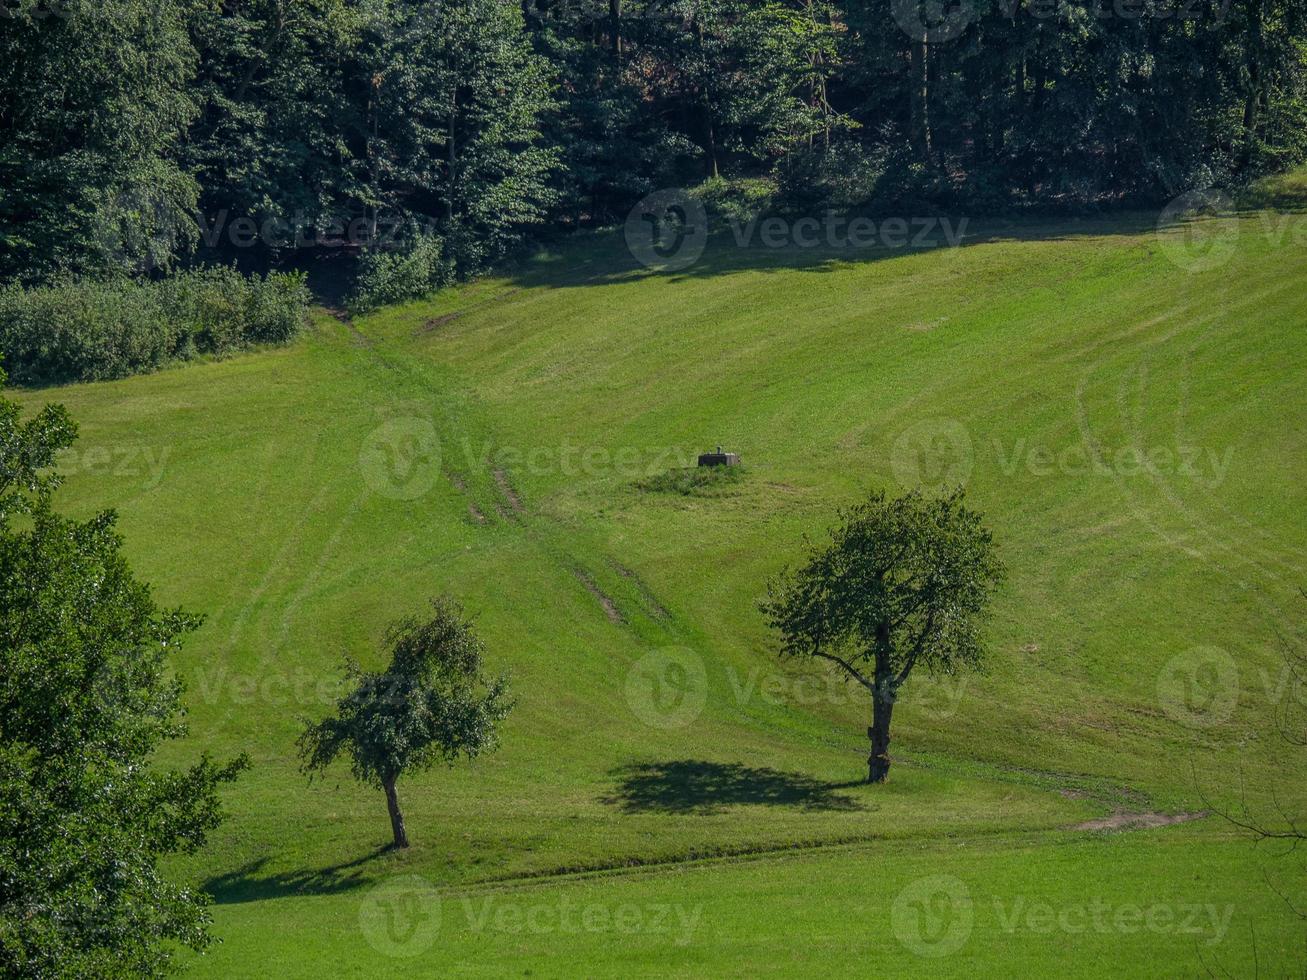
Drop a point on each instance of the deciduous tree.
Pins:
(86, 698)
(430, 704)
(903, 584)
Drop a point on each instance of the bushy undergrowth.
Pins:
(418, 269)
(737, 200)
(85, 331)
(693, 481)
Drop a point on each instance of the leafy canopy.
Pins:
(85, 700)
(903, 583)
(430, 704)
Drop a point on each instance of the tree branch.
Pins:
(916, 648)
(853, 671)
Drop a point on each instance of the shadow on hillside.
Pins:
(694, 786)
(1284, 202)
(598, 258)
(247, 884)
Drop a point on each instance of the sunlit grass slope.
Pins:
(1129, 420)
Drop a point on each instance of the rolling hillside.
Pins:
(1129, 420)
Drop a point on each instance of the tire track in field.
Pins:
(1082, 411)
(512, 509)
(279, 561)
(1226, 512)
(1130, 412)
(324, 556)
(1133, 420)
(1207, 535)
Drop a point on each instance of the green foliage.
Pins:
(430, 704)
(739, 200)
(485, 119)
(96, 102)
(86, 700)
(843, 176)
(1058, 105)
(79, 331)
(400, 112)
(454, 126)
(903, 583)
(126, 115)
(661, 94)
(279, 132)
(413, 272)
(1077, 104)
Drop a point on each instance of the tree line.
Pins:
(134, 132)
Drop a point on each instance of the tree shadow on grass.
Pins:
(601, 257)
(248, 884)
(697, 787)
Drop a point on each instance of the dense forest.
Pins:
(139, 135)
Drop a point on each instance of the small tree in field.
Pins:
(903, 583)
(431, 703)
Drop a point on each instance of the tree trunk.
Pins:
(713, 170)
(396, 817)
(1250, 110)
(453, 159)
(709, 128)
(374, 153)
(615, 18)
(881, 712)
(919, 100)
(1253, 62)
(882, 706)
(1250, 106)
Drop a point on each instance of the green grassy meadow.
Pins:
(669, 798)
